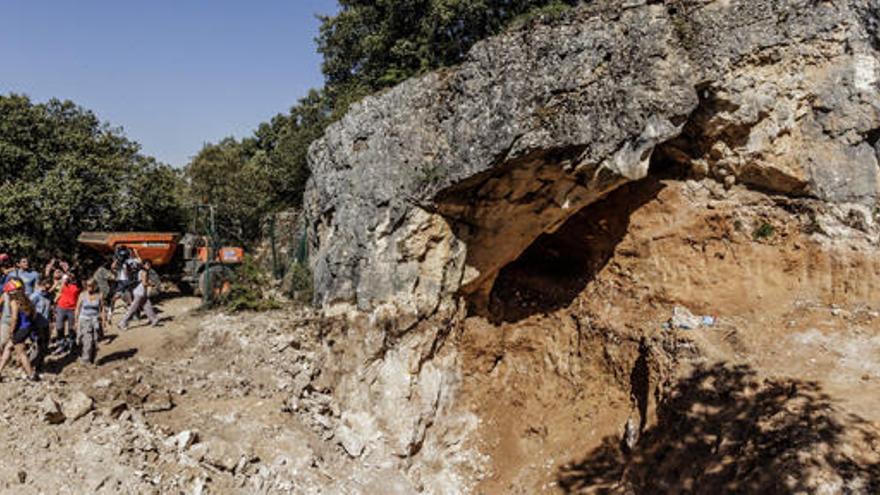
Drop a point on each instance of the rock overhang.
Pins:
(424, 192)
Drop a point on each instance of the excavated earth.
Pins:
(775, 396)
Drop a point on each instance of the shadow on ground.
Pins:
(722, 430)
(56, 365)
(117, 356)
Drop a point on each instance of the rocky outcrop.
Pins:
(414, 190)
(789, 96)
(423, 193)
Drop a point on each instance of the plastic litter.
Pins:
(683, 319)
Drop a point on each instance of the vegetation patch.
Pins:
(298, 283)
(764, 231)
(248, 291)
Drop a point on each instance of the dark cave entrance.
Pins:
(558, 266)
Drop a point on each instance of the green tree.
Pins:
(285, 142)
(249, 179)
(369, 45)
(64, 171)
(234, 180)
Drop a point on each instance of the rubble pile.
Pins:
(152, 425)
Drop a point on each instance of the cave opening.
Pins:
(558, 266)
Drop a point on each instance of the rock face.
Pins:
(415, 190)
(789, 96)
(423, 193)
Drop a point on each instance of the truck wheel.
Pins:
(221, 281)
(186, 288)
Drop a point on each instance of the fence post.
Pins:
(208, 293)
(276, 269)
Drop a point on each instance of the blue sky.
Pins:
(172, 74)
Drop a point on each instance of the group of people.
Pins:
(51, 312)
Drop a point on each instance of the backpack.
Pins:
(24, 321)
(155, 283)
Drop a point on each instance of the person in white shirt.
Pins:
(141, 295)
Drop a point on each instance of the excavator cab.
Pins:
(196, 252)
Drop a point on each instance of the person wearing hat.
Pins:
(21, 321)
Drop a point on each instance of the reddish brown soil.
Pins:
(776, 397)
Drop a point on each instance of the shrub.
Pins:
(247, 292)
(298, 283)
(764, 231)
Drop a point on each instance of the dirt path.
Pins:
(177, 333)
(221, 382)
(175, 336)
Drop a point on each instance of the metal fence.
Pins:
(295, 243)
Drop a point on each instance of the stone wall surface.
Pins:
(424, 192)
(421, 194)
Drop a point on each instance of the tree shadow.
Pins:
(558, 266)
(722, 430)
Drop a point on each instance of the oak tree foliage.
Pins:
(367, 45)
(63, 171)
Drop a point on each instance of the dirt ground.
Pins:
(776, 396)
(199, 405)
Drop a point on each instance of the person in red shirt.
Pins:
(65, 313)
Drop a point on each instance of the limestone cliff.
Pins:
(424, 192)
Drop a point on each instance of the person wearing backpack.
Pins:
(142, 295)
(124, 269)
(42, 301)
(22, 314)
